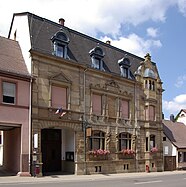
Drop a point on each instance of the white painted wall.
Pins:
(168, 148)
(182, 117)
(20, 26)
(68, 139)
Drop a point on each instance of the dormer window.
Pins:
(125, 64)
(97, 55)
(60, 44)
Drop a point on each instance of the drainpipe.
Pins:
(135, 126)
(30, 128)
(84, 122)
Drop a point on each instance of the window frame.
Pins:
(60, 41)
(100, 138)
(122, 113)
(15, 92)
(95, 111)
(127, 141)
(53, 105)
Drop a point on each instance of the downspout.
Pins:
(30, 127)
(84, 121)
(135, 126)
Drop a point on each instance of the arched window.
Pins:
(97, 55)
(97, 140)
(125, 141)
(124, 65)
(60, 43)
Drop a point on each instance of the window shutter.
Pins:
(59, 97)
(124, 109)
(8, 89)
(151, 113)
(96, 104)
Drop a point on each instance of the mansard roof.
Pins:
(43, 30)
(11, 59)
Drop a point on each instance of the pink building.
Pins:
(14, 107)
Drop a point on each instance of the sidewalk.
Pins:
(57, 178)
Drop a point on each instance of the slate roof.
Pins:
(11, 58)
(42, 30)
(175, 132)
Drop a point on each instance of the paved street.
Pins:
(159, 179)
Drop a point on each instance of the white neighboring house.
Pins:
(174, 145)
(181, 116)
(1, 148)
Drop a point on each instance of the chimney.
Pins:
(172, 118)
(108, 42)
(62, 21)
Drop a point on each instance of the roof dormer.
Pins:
(60, 43)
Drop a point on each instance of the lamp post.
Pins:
(85, 126)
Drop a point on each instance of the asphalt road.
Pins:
(172, 180)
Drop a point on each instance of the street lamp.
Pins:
(85, 126)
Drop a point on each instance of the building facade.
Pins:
(14, 109)
(95, 108)
(174, 145)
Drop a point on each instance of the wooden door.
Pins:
(169, 163)
(51, 150)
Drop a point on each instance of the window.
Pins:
(150, 142)
(59, 50)
(9, 92)
(96, 104)
(59, 97)
(97, 55)
(60, 43)
(164, 139)
(97, 140)
(111, 101)
(147, 143)
(124, 141)
(125, 64)
(124, 108)
(96, 63)
(150, 84)
(151, 113)
(124, 72)
(181, 157)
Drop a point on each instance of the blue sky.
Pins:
(136, 26)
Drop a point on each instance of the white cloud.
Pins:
(152, 32)
(134, 44)
(174, 106)
(89, 16)
(182, 6)
(180, 81)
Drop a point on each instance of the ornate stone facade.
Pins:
(138, 89)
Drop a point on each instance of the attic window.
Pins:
(60, 44)
(125, 64)
(97, 55)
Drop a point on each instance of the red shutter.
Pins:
(124, 109)
(59, 97)
(151, 113)
(96, 104)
